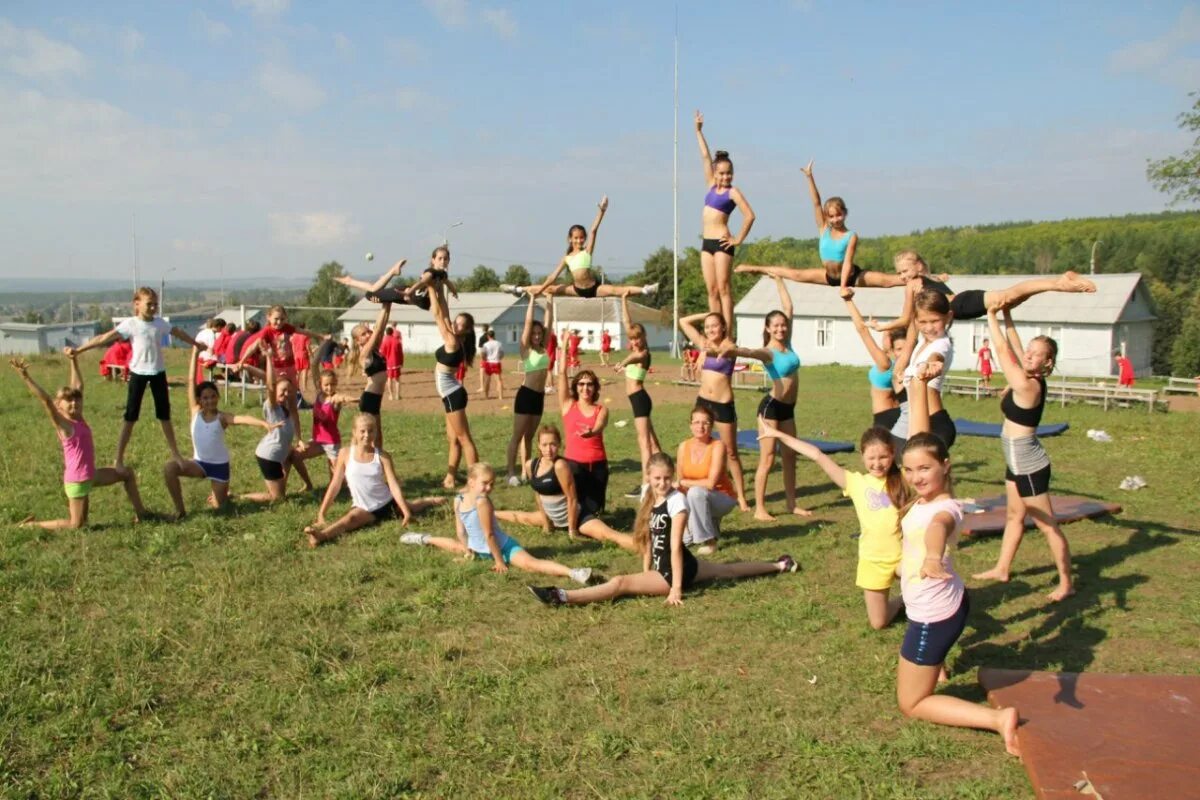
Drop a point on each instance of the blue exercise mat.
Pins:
(748, 440)
(992, 429)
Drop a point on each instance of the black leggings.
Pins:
(137, 390)
(591, 482)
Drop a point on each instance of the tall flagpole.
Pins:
(675, 202)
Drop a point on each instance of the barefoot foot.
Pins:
(763, 516)
(1061, 593)
(743, 505)
(448, 481)
(801, 512)
(1072, 282)
(1007, 728)
(993, 574)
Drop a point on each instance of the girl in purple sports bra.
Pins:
(716, 255)
(584, 283)
(836, 246)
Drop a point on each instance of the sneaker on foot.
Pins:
(513, 480)
(581, 575)
(651, 289)
(414, 538)
(634, 493)
(787, 564)
(706, 549)
(547, 594)
(512, 289)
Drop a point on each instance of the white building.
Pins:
(32, 339)
(505, 314)
(1089, 328)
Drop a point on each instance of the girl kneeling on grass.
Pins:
(374, 489)
(878, 495)
(210, 456)
(667, 567)
(935, 598)
(479, 534)
(80, 475)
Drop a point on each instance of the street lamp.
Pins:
(1096, 244)
(446, 233)
(162, 291)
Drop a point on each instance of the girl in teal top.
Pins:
(885, 401)
(531, 397)
(635, 366)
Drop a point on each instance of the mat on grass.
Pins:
(1103, 736)
(968, 427)
(748, 440)
(987, 514)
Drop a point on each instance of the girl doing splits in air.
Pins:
(584, 283)
(668, 569)
(716, 254)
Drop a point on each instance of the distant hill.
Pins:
(61, 286)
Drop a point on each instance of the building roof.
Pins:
(45, 326)
(576, 309)
(1114, 293)
(234, 313)
(486, 307)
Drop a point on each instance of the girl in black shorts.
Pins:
(635, 367)
(458, 349)
(374, 367)
(667, 566)
(530, 401)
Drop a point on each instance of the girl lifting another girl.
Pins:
(530, 401)
(580, 246)
(210, 456)
(1027, 473)
(716, 253)
(667, 566)
(374, 489)
(636, 366)
(457, 351)
(80, 474)
(560, 507)
(478, 533)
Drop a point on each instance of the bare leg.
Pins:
(766, 460)
(728, 432)
(425, 503)
(106, 476)
(534, 519)
(352, 520)
(169, 433)
(723, 271)
(647, 442)
(1042, 511)
(1013, 296)
(274, 493)
(123, 442)
(709, 269)
(1014, 532)
(599, 530)
(879, 280)
(454, 456)
(297, 463)
(644, 583)
(915, 685)
(881, 609)
(710, 571)
(522, 559)
(77, 508)
(172, 471)
(809, 275)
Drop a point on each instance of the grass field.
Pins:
(220, 658)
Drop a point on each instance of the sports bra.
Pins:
(721, 202)
(579, 262)
(939, 287)
(783, 364)
(718, 364)
(880, 380)
(1029, 417)
(375, 364)
(536, 362)
(833, 249)
(448, 359)
(546, 485)
(637, 372)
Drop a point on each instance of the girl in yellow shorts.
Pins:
(878, 495)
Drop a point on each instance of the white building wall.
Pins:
(20, 342)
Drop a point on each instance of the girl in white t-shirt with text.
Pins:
(932, 345)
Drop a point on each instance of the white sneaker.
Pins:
(651, 289)
(414, 538)
(512, 289)
(513, 480)
(581, 575)
(706, 549)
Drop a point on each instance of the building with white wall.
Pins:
(1089, 328)
(33, 339)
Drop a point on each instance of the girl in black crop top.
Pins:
(1027, 478)
(374, 367)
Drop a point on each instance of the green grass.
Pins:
(219, 658)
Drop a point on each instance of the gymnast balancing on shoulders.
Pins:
(581, 245)
(434, 280)
(635, 367)
(1027, 472)
(719, 245)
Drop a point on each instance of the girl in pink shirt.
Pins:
(80, 475)
(326, 437)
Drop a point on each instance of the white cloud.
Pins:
(1161, 57)
(451, 13)
(312, 229)
(30, 53)
(501, 21)
(297, 92)
(264, 8)
(130, 40)
(342, 43)
(211, 29)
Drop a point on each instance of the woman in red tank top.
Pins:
(583, 427)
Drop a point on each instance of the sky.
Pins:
(265, 137)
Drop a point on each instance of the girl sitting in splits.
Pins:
(80, 475)
(667, 566)
(580, 247)
(479, 534)
(560, 506)
(374, 489)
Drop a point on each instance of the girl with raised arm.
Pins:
(584, 420)
(559, 505)
(933, 345)
(326, 408)
(374, 488)
(580, 247)
(636, 366)
(457, 350)
(80, 474)
(885, 401)
(1027, 473)
(530, 401)
(274, 451)
(668, 569)
(716, 386)
(718, 246)
(373, 366)
(210, 456)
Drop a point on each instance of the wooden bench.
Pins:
(1102, 394)
(965, 385)
(1181, 386)
(749, 374)
(242, 384)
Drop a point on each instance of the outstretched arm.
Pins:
(76, 380)
(184, 336)
(108, 337)
(389, 473)
(906, 315)
(57, 418)
(552, 278)
(705, 155)
(1014, 371)
(527, 331)
(601, 207)
(193, 402)
(270, 372)
(1010, 330)
(834, 470)
(877, 355)
(815, 195)
(688, 326)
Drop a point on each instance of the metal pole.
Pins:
(1095, 244)
(133, 237)
(675, 204)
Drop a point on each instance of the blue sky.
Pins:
(275, 135)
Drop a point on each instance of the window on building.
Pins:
(824, 333)
(978, 334)
(1054, 332)
(512, 335)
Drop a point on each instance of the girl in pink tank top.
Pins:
(80, 475)
(326, 438)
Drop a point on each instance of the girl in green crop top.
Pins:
(580, 246)
(635, 366)
(531, 397)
